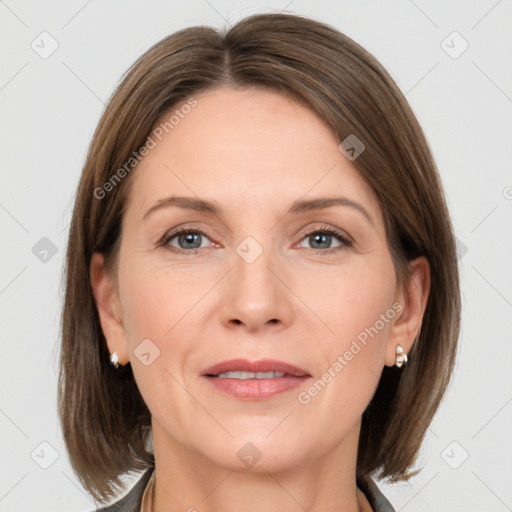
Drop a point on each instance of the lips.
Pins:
(254, 380)
(262, 366)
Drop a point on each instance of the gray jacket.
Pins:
(133, 500)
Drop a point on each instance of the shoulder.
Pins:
(374, 495)
(132, 501)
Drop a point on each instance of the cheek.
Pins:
(157, 299)
(159, 310)
(151, 313)
(356, 307)
(352, 299)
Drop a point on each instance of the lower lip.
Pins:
(256, 389)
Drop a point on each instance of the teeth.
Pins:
(249, 375)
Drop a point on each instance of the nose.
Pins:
(255, 296)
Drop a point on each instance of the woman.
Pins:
(262, 300)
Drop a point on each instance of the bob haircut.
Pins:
(105, 421)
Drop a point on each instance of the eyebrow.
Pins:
(298, 206)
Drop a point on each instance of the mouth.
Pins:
(241, 375)
(255, 380)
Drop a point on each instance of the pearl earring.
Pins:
(114, 360)
(401, 356)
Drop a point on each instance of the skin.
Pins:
(254, 152)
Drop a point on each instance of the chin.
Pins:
(257, 453)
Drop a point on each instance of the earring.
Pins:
(114, 360)
(401, 357)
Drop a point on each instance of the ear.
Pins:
(412, 297)
(106, 296)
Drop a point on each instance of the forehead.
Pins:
(247, 147)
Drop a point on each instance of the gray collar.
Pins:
(132, 501)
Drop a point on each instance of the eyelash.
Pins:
(342, 237)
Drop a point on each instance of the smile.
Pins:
(254, 380)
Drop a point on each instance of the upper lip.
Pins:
(262, 365)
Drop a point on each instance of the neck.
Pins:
(186, 480)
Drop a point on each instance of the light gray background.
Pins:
(49, 109)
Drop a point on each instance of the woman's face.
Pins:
(255, 280)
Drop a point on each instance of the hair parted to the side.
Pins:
(105, 422)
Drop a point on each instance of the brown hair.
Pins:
(105, 422)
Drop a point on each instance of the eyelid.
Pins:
(330, 229)
(344, 238)
(184, 228)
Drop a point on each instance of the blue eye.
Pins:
(188, 240)
(322, 239)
